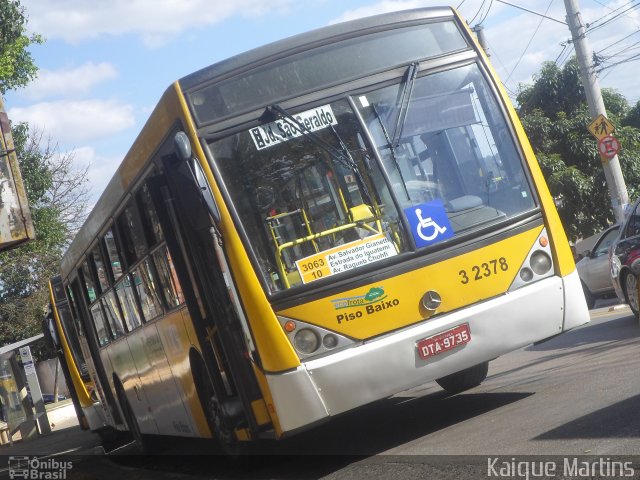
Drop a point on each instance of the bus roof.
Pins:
(302, 41)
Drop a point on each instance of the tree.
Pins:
(555, 115)
(58, 196)
(17, 68)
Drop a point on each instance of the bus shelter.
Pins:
(21, 404)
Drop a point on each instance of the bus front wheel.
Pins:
(213, 410)
(465, 379)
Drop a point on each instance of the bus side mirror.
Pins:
(183, 149)
(183, 146)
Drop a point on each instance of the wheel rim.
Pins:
(632, 291)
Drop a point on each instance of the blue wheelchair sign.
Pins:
(429, 223)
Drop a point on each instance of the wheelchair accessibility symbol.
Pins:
(429, 223)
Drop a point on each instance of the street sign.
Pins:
(601, 127)
(608, 146)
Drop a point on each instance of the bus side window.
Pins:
(132, 235)
(128, 303)
(90, 287)
(147, 290)
(113, 316)
(74, 311)
(98, 322)
(115, 262)
(98, 264)
(150, 221)
(168, 279)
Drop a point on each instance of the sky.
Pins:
(105, 63)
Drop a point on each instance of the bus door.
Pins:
(102, 384)
(224, 377)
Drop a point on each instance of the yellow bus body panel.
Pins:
(461, 281)
(174, 334)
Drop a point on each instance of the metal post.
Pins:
(479, 31)
(612, 171)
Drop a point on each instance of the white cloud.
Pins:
(83, 78)
(154, 20)
(76, 121)
(101, 168)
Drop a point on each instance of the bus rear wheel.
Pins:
(142, 445)
(465, 379)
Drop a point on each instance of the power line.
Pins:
(564, 47)
(618, 41)
(535, 13)
(486, 14)
(530, 40)
(612, 19)
(611, 11)
(478, 12)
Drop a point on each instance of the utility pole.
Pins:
(612, 171)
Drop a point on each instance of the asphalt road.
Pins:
(572, 398)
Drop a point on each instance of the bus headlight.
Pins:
(537, 265)
(540, 262)
(310, 341)
(526, 274)
(330, 341)
(306, 341)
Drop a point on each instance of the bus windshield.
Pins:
(434, 143)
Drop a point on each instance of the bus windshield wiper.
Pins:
(341, 155)
(392, 150)
(405, 97)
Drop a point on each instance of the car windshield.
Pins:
(309, 213)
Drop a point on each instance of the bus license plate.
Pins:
(443, 342)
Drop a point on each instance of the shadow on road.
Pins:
(610, 331)
(330, 447)
(620, 420)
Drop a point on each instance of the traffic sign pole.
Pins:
(612, 170)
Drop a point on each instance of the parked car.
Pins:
(625, 259)
(594, 270)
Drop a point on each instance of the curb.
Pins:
(615, 308)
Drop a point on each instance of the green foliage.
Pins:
(555, 116)
(57, 197)
(17, 68)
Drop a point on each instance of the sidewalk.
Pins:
(62, 415)
(66, 436)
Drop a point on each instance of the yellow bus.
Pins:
(312, 226)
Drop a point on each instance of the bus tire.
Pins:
(142, 445)
(465, 379)
(211, 408)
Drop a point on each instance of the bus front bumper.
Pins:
(390, 364)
